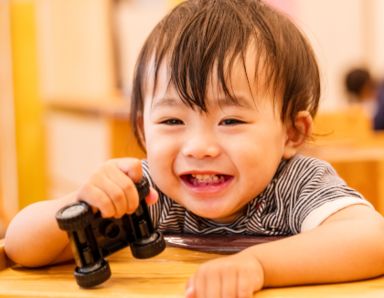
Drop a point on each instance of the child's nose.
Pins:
(201, 145)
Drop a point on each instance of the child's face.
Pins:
(214, 163)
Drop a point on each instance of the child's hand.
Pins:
(111, 189)
(238, 275)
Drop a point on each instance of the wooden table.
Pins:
(161, 276)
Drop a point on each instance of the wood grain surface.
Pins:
(162, 276)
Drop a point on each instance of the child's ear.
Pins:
(297, 134)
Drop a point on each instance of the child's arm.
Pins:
(348, 246)
(33, 237)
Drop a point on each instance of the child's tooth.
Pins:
(205, 178)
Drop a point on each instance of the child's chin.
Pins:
(216, 216)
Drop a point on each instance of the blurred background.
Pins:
(65, 79)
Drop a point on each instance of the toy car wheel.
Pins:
(91, 277)
(148, 247)
(74, 217)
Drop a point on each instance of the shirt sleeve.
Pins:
(316, 193)
(318, 215)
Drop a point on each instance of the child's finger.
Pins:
(97, 198)
(125, 183)
(152, 197)
(190, 289)
(115, 195)
(213, 286)
(131, 167)
(244, 285)
(200, 281)
(229, 283)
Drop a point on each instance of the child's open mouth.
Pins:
(204, 180)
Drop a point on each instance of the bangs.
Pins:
(207, 45)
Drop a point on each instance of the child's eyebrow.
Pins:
(165, 102)
(238, 101)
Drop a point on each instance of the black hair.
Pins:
(199, 38)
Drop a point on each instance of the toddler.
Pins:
(224, 95)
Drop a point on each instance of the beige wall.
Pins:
(336, 31)
(345, 33)
(377, 60)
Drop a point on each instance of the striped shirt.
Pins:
(303, 192)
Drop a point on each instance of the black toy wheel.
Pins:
(91, 277)
(74, 217)
(148, 248)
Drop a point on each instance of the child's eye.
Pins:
(172, 121)
(231, 121)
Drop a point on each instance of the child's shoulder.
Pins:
(303, 170)
(305, 163)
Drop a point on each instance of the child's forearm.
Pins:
(33, 237)
(334, 252)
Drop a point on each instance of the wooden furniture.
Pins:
(359, 161)
(82, 134)
(162, 276)
(346, 124)
(8, 158)
(364, 171)
(115, 113)
(345, 139)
